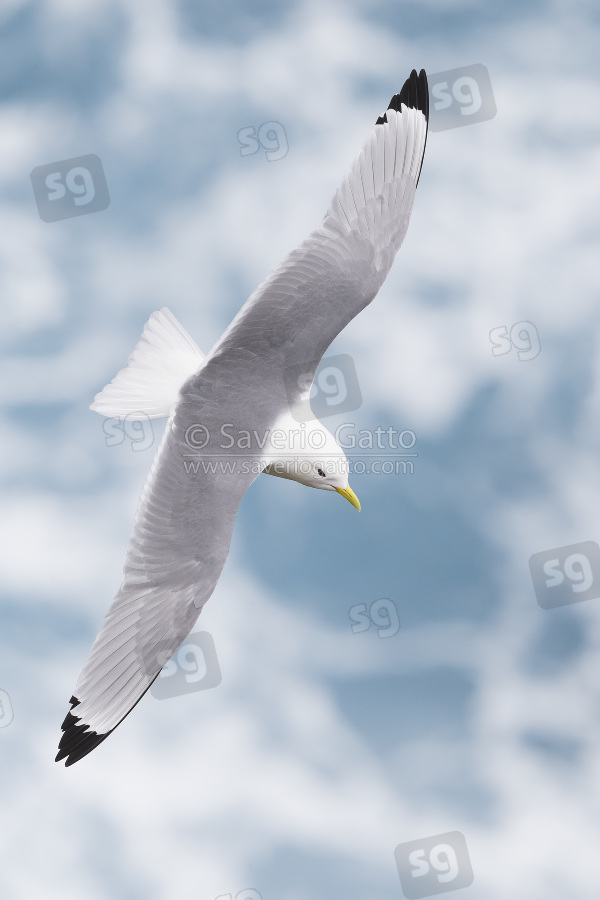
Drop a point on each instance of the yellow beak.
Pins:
(349, 494)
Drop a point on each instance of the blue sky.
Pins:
(322, 749)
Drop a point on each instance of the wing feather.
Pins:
(319, 287)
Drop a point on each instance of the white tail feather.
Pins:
(163, 359)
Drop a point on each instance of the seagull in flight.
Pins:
(239, 396)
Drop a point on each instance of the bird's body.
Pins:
(202, 469)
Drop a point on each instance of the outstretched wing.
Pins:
(298, 310)
(187, 510)
(179, 544)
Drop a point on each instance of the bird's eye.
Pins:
(321, 472)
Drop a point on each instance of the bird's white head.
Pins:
(309, 454)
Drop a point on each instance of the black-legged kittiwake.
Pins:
(185, 517)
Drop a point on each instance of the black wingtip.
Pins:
(76, 741)
(414, 94)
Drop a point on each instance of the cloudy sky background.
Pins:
(321, 750)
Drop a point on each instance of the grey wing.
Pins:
(179, 545)
(302, 305)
